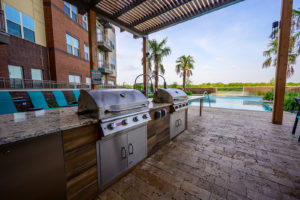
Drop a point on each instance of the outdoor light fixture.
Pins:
(275, 27)
(147, 54)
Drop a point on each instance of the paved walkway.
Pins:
(225, 154)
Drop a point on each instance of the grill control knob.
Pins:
(179, 106)
(145, 116)
(176, 107)
(125, 122)
(183, 105)
(111, 126)
(135, 119)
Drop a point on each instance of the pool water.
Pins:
(244, 103)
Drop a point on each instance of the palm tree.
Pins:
(156, 53)
(294, 47)
(184, 67)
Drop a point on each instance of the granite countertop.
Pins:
(24, 125)
(191, 98)
(153, 106)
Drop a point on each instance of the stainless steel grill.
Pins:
(116, 109)
(177, 97)
(123, 116)
(178, 117)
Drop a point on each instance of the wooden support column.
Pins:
(283, 51)
(145, 65)
(93, 42)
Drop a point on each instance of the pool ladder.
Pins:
(207, 94)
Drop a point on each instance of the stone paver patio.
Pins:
(225, 154)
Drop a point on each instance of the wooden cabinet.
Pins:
(80, 157)
(120, 152)
(158, 131)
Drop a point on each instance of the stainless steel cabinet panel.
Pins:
(137, 145)
(177, 123)
(113, 158)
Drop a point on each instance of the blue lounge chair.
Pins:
(6, 103)
(61, 100)
(76, 94)
(38, 100)
(297, 117)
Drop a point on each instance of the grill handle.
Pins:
(120, 110)
(130, 149)
(123, 153)
(179, 99)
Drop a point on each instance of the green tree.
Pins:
(184, 67)
(157, 51)
(294, 47)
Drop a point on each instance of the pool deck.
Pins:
(225, 154)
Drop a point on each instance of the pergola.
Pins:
(143, 17)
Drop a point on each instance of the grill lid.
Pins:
(105, 103)
(170, 95)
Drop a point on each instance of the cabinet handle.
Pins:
(123, 153)
(130, 149)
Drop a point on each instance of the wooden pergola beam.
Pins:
(283, 52)
(162, 10)
(128, 8)
(117, 22)
(197, 13)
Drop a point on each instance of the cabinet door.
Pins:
(137, 145)
(113, 158)
(177, 123)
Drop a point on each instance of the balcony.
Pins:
(104, 44)
(4, 36)
(104, 68)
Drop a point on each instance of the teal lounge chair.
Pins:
(297, 99)
(76, 94)
(38, 100)
(61, 100)
(6, 104)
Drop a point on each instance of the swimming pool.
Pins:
(244, 103)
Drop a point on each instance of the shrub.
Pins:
(268, 96)
(289, 101)
(189, 92)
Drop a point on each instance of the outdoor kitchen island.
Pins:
(51, 154)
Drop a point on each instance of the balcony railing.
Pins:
(14, 83)
(103, 43)
(104, 67)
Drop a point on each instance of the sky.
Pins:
(227, 45)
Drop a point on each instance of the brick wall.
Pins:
(58, 24)
(111, 78)
(202, 89)
(26, 54)
(264, 89)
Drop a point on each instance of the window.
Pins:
(99, 35)
(100, 60)
(36, 74)
(88, 80)
(86, 52)
(84, 22)
(112, 42)
(71, 11)
(37, 77)
(16, 76)
(72, 45)
(112, 64)
(111, 83)
(74, 79)
(19, 24)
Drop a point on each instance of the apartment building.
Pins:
(48, 40)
